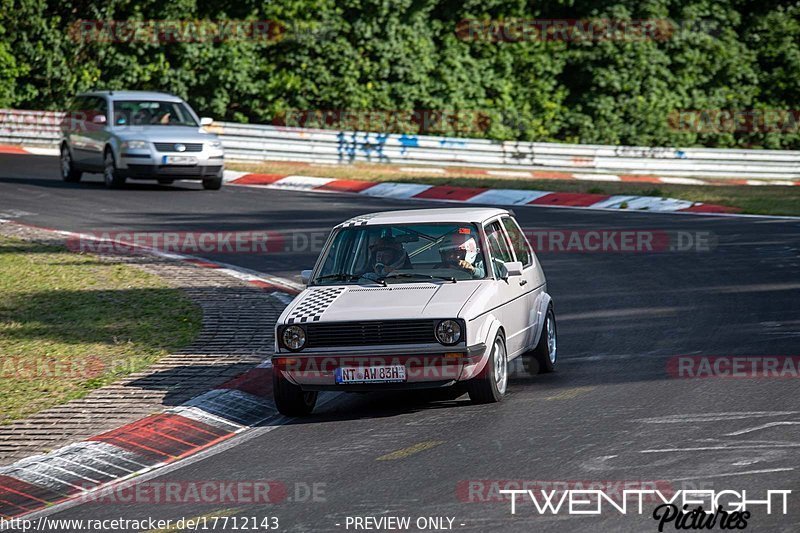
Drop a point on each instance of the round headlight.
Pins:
(294, 337)
(448, 332)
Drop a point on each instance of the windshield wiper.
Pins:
(417, 275)
(348, 277)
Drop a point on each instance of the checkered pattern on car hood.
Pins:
(314, 303)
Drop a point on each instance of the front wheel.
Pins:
(490, 385)
(290, 399)
(68, 172)
(542, 360)
(111, 175)
(213, 184)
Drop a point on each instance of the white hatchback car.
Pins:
(416, 299)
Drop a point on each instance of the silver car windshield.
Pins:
(402, 253)
(152, 113)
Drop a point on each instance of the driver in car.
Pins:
(387, 255)
(460, 251)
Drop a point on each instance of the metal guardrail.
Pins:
(250, 143)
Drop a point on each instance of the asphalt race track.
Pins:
(612, 413)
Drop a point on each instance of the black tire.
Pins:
(290, 399)
(213, 184)
(68, 172)
(485, 387)
(111, 175)
(165, 181)
(538, 361)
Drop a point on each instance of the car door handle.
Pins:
(523, 281)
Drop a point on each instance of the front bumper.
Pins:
(425, 368)
(151, 164)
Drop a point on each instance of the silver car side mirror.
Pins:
(99, 119)
(305, 276)
(206, 121)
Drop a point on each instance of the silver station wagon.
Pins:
(416, 299)
(139, 135)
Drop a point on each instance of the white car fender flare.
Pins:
(490, 328)
(543, 301)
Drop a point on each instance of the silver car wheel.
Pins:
(500, 366)
(551, 339)
(66, 162)
(108, 169)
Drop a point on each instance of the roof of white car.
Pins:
(427, 216)
(135, 95)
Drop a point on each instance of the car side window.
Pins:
(521, 247)
(498, 247)
(100, 106)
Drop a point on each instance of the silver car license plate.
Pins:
(371, 374)
(178, 160)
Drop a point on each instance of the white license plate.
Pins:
(371, 374)
(178, 160)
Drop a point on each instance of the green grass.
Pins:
(763, 200)
(70, 324)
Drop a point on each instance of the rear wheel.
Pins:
(290, 399)
(68, 172)
(490, 385)
(542, 359)
(111, 175)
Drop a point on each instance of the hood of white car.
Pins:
(395, 302)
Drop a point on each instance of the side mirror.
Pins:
(305, 276)
(511, 268)
(99, 119)
(206, 121)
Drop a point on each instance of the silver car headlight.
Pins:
(448, 332)
(135, 145)
(294, 338)
(216, 145)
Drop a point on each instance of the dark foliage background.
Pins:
(406, 55)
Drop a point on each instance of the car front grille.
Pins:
(173, 170)
(170, 147)
(372, 333)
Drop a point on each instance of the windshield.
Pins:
(402, 253)
(152, 113)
